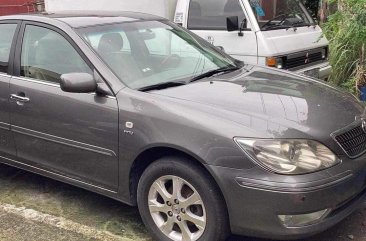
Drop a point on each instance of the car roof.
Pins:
(79, 19)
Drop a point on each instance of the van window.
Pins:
(6, 38)
(212, 14)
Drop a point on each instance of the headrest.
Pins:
(51, 50)
(110, 42)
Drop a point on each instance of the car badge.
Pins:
(363, 125)
(129, 125)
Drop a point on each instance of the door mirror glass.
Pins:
(232, 23)
(78, 83)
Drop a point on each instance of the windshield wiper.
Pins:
(273, 27)
(302, 24)
(161, 86)
(214, 72)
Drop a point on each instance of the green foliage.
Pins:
(346, 32)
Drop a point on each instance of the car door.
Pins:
(8, 30)
(74, 135)
(207, 18)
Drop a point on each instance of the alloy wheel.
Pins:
(177, 208)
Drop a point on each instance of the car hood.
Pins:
(272, 103)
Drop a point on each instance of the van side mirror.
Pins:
(78, 83)
(232, 23)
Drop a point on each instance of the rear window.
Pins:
(6, 38)
(212, 14)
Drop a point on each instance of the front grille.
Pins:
(305, 58)
(353, 141)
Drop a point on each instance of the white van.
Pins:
(275, 33)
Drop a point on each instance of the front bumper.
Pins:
(255, 198)
(323, 70)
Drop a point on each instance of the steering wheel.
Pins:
(283, 15)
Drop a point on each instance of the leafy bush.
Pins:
(346, 32)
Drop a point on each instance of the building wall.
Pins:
(8, 7)
(163, 8)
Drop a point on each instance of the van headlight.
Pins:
(288, 156)
(276, 62)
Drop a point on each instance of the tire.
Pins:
(188, 205)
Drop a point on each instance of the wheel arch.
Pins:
(153, 153)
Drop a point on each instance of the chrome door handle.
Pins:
(19, 98)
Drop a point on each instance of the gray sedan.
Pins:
(138, 109)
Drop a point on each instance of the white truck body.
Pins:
(302, 49)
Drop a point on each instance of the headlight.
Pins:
(289, 156)
(276, 62)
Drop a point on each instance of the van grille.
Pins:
(353, 141)
(305, 58)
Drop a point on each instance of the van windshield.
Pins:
(280, 14)
(151, 53)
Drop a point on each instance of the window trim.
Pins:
(19, 46)
(13, 45)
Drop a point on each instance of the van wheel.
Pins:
(178, 201)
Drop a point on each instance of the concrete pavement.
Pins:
(34, 208)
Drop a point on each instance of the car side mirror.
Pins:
(78, 83)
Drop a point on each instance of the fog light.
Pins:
(302, 219)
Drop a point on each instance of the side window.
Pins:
(46, 55)
(212, 14)
(6, 38)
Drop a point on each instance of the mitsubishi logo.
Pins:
(307, 60)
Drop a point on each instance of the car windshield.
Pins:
(151, 53)
(279, 14)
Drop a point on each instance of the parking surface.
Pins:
(34, 208)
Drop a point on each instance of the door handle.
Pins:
(19, 98)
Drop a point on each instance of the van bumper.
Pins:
(254, 205)
(320, 71)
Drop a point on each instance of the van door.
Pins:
(207, 18)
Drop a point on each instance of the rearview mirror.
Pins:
(232, 23)
(147, 35)
(78, 83)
